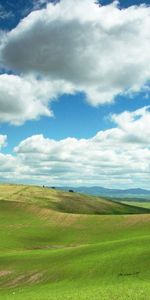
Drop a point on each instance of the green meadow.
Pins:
(57, 245)
(145, 204)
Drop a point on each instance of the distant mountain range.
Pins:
(112, 193)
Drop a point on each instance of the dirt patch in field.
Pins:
(55, 247)
(24, 279)
(136, 219)
(16, 281)
(5, 273)
(35, 278)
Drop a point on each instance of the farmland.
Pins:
(61, 245)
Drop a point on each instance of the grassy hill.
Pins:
(56, 245)
(66, 202)
(141, 203)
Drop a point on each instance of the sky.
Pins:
(74, 93)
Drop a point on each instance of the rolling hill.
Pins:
(66, 202)
(57, 245)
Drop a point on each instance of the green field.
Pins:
(145, 204)
(57, 245)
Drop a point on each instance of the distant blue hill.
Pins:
(113, 193)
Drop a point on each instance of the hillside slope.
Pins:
(66, 202)
(49, 254)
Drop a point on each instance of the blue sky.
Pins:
(82, 104)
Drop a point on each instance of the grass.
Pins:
(48, 251)
(144, 204)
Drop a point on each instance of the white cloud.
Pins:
(77, 46)
(25, 98)
(3, 139)
(135, 125)
(8, 162)
(119, 156)
(38, 4)
(102, 51)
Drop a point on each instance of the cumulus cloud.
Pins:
(8, 163)
(135, 125)
(3, 139)
(110, 156)
(73, 46)
(38, 4)
(25, 98)
(101, 50)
